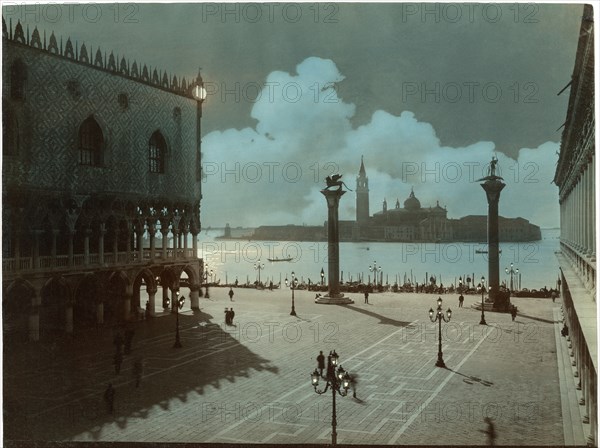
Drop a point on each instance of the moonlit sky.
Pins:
(297, 92)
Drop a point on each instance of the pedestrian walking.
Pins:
(226, 316)
(513, 312)
(231, 294)
(231, 316)
(461, 299)
(138, 370)
(118, 361)
(118, 341)
(553, 295)
(128, 339)
(109, 398)
(367, 297)
(353, 384)
(490, 431)
(321, 363)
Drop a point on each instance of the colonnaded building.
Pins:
(100, 186)
(575, 177)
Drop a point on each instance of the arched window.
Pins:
(18, 76)
(91, 142)
(157, 148)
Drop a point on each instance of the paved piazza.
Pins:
(251, 383)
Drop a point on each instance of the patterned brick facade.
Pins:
(100, 158)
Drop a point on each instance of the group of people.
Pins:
(229, 315)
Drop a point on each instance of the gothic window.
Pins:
(91, 142)
(18, 76)
(157, 148)
(123, 101)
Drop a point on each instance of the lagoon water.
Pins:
(236, 259)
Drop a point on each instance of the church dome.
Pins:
(412, 203)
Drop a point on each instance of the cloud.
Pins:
(272, 173)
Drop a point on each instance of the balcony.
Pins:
(60, 263)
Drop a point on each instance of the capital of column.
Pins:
(492, 189)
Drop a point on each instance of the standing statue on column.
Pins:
(491, 171)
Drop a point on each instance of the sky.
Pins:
(426, 93)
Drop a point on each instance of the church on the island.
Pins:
(412, 222)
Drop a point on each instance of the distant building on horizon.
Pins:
(414, 223)
(409, 223)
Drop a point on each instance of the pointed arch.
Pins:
(157, 150)
(91, 142)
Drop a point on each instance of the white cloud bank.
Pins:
(272, 174)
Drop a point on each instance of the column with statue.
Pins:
(493, 185)
(333, 195)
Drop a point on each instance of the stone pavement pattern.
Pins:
(251, 383)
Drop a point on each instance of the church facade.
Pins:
(411, 222)
(100, 186)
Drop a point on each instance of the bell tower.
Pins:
(362, 195)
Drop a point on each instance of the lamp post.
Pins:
(322, 277)
(460, 284)
(206, 274)
(438, 315)
(292, 285)
(338, 381)
(259, 267)
(512, 272)
(375, 269)
(178, 304)
(482, 321)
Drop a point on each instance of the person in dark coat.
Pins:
(231, 316)
(231, 294)
(366, 296)
(513, 312)
(138, 370)
(109, 398)
(118, 361)
(128, 338)
(490, 431)
(461, 299)
(321, 363)
(227, 322)
(118, 341)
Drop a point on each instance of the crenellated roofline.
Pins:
(98, 60)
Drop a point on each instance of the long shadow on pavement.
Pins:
(382, 319)
(55, 391)
(539, 319)
(472, 379)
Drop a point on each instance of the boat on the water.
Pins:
(280, 259)
(481, 251)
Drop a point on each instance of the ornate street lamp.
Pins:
(178, 304)
(439, 316)
(339, 382)
(375, 269)
(459, 284)
(482, 321)
(322, 277)
(512, 272)
(292, 285)
(206, 274)
(259, 267)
